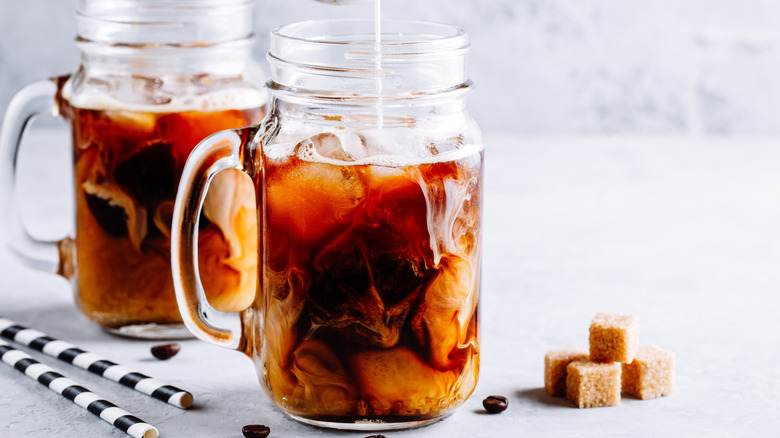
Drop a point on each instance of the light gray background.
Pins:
(680, 230)
(540, 66)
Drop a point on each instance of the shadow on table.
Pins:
(539, 395)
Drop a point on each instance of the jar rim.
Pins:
(449, 36)
(164, 21)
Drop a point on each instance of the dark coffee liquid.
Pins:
(127, 170)
(371, 286)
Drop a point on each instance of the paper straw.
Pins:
(48, 377)
(93, 363)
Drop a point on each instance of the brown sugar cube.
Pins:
(590, 384)
(651, 374)
(614, 338)
(555, 362)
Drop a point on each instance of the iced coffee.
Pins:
(128, 161)
(371, 277)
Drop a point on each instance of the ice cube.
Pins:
(311, 201)
(327, 145)
(144, 90)
(374, 144)
(192, 126)
(139, 123)
(381, 174)
(443, 147)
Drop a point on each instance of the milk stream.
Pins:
(377, 54)
(378, 60)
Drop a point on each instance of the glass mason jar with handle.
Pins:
(156, 77)
(368, 180)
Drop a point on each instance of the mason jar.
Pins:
(155, 78)
(368, 178)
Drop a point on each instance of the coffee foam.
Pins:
(235, 98)
(395, 161)
(309, 153)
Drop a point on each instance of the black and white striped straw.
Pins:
(46, 376)
(94, 363)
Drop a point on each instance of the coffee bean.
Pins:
(376, 436)
(495, 404)
(256, 431)
(165, 351)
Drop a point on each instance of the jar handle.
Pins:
(220, 151)
(33, 100)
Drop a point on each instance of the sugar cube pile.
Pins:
(615, 362)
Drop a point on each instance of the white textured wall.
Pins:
(540, 66)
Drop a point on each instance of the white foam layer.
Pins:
(309, 154)
(234, 98)
(395, 157)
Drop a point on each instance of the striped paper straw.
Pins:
(48, 377)
(93, 363)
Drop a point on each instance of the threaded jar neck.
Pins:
(164, 22)
(340, 61)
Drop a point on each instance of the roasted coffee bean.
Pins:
(495, 404)
(256, 431)
(165, 351)
(376, 436)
